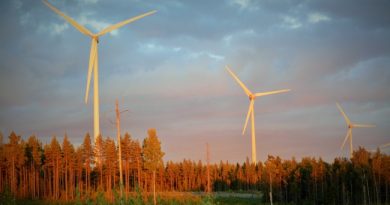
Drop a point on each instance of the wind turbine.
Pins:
(251, 111)
(350, 125)
(93, 58)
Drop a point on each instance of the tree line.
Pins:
(60, 171)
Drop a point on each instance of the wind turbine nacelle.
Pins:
(252, 97)
(96, 38)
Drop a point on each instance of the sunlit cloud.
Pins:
(53, 28)
(228, 39)
(208, 54)
(244, 4)
(291, 22)
(155, 48)
(317, 17)
(59, 28)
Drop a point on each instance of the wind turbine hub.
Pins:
(252, 97)
(96, 38)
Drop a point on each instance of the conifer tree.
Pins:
(35, 148)
(125, 145)
(87, 156)
(68, 152)
(152, 156)
(136, 159)
(110, 162)
(98, 154)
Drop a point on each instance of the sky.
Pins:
(168, 70)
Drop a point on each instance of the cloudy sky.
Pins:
(168, 71)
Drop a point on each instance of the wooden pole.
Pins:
(118, 121)
(208, 168)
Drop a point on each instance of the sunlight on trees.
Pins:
(31, 170)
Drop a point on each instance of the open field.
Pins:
(186, 200)
(146, 198)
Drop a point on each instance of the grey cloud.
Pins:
(168, 69)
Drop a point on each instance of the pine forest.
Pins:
(60, 171)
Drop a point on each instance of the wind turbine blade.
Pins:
(250, 109)
(363, 125)
(120, 24)
(346, 137)
(246, 90)
(79, 27)
(92, 56)
(271, 92)
(343, 113)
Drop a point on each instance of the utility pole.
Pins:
(118, 128)
(208, 168)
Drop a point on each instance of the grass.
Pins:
(237, 201)
(138, 198)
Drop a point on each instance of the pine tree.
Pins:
(87, 156)
(98, 154)
(35, 148)
(110, 162)
(136, 159)
(57, 162)
(68, 167)
(14, 160)
(79, 164)
(125, 145)
(152, 156)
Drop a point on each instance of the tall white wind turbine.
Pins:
(93, 58)
(350, 125)
(251, 111)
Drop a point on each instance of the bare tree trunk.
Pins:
(387, 192)
(139, 172)
(270, 189)
(86, 178)
(154, 187)
(66, 180)
(364, 193)
(376, 188)
(208, 169)
(368, 189)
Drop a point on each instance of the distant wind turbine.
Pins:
(251, 111)
(350, 125)
(93, 58)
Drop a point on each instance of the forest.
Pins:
(60, 171)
